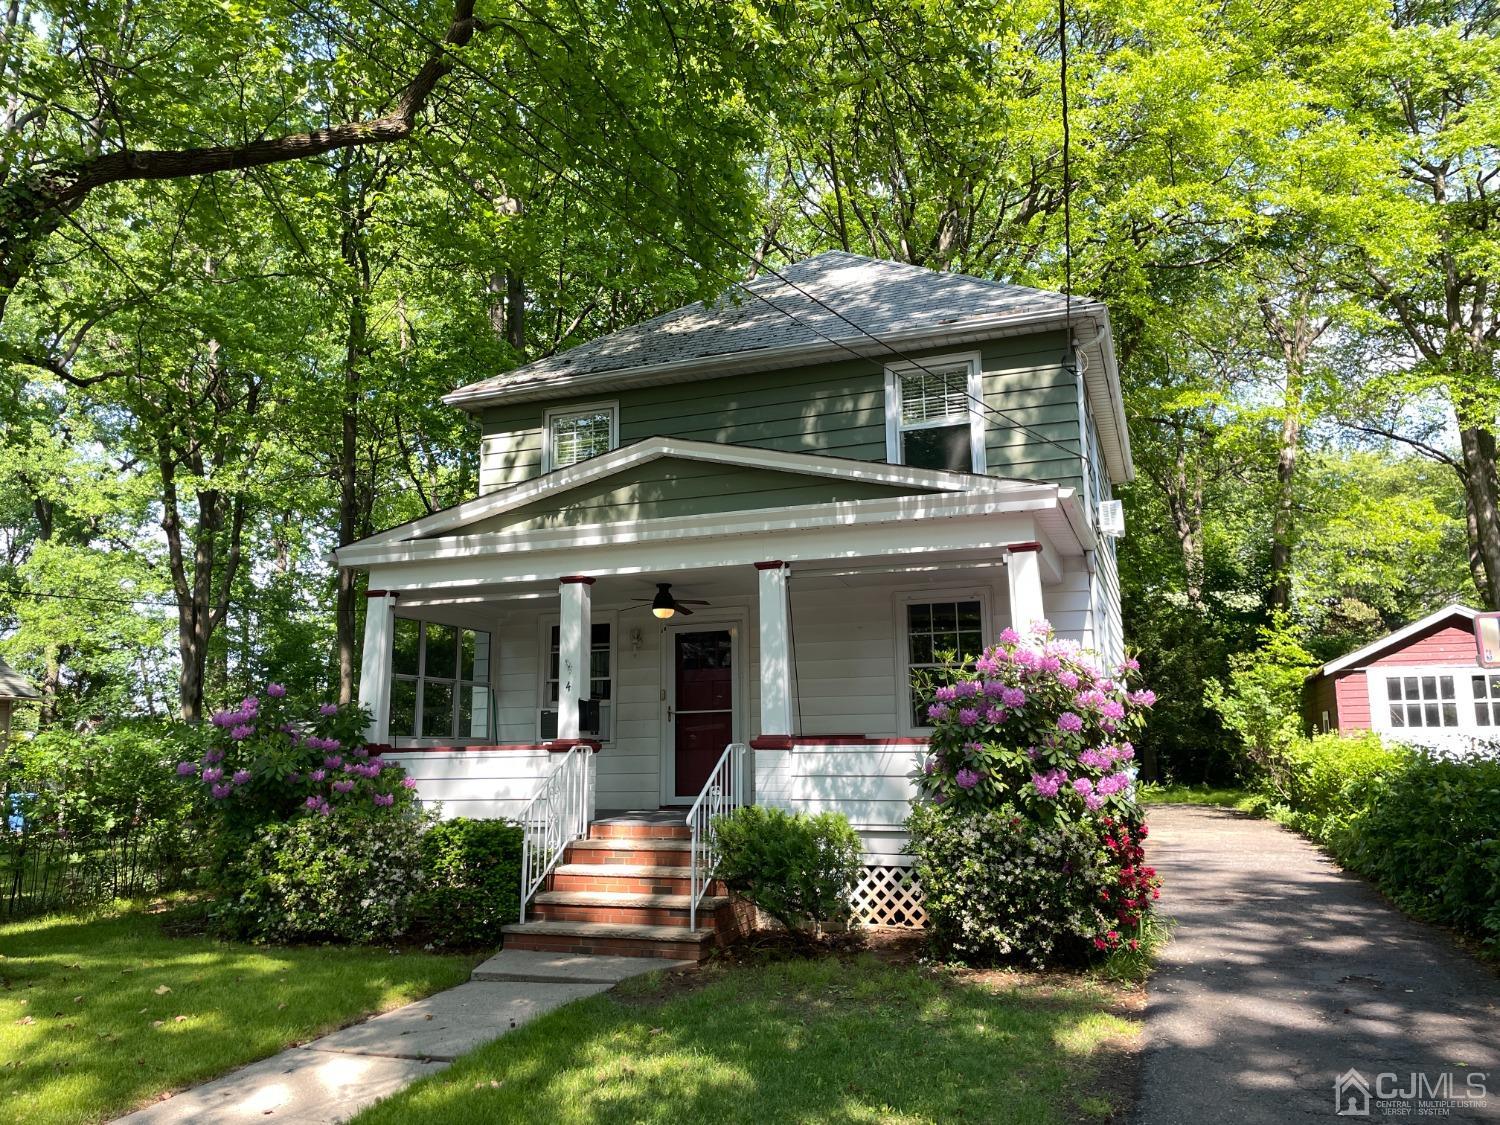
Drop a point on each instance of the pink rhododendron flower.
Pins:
(1047, 784)
(1009, 636)
(1041, 626)
(275, 691)
(966, 778)
(946, 694)
(937, 711)
(994, 715)
(317, 775)
(212, 773)
(1083, 785)
(1093, 801)
(239, 734)
(968, 716)
(1144, 698)
(1069, 722)
(1013, 697)
(384, 799)
(241, 776)
(343, 785)
(967, 689)
(1068, 679)
(219, 792)
(408, 783)
(185, 768)
(328, 709)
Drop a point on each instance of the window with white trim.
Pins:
(933, 418)
(933, 629)
(1486, 687)
(1421, 701)
(580, 432)
(440, 681)
(595, 713)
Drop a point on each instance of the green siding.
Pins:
(835, 409)
(673, 487)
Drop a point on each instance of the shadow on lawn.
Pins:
(85, 1031)
(825, 1040)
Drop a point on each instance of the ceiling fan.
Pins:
(664, 605)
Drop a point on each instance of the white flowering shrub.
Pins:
(344, 878)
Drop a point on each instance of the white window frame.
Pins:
(1376, 676)
(902, 668)
(612, 408)
(549, 621)
(893, 425)
(420, 678)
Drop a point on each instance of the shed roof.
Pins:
(1394, 640)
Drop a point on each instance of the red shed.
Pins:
(1421, 684)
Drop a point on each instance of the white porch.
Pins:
(490, 647)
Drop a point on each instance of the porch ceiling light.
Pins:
(663, 605)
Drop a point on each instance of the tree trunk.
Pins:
(1481, 493)
(356, 258)
(515, 312)
(1283, 519)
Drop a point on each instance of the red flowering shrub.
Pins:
(1137, 886)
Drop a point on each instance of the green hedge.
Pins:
(799, 869)
(1426, 830)
(472, 872)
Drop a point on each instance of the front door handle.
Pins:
(669, 712)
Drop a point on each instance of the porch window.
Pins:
(1421, 701)
(440, 677)
(1487, 700)
(933, 420)
(935, 630)
(593, 713)
(578, 433)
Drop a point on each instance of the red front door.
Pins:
(702, 708)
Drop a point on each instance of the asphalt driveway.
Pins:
(1285, 974)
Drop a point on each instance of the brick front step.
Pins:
(627, 878)
(627, 908)
(640, 830)
(664, 853)
(669, 942)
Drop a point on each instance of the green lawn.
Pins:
(1227, 798)
(804, 1041)
(98, 1014)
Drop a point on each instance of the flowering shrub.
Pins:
(268, 760)
(344, 877)
(1033, 721)
(1026, 829)
(283, 781)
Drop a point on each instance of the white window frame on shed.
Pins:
(934, 596)
(974, 395)
(564, 413)
(1377, 675)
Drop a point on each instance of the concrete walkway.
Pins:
(1284, 973)
(333, 1078)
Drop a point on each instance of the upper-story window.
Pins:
(933, 416)
(577, 433)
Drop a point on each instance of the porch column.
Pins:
(573, 648)
(375, 663)
(777, 691)
(1023, 569)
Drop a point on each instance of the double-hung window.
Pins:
(1421, 700)
(577, 433)
(440, 681)
(594, 713)
(934, 629)
(934, 417)
(1486, 687)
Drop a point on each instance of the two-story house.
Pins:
(750, 523)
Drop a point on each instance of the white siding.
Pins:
(476, 783)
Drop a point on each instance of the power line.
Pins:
(18, 593)
(561, 171)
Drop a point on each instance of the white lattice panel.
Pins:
(889, 895)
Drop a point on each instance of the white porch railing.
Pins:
(723, 792)
(553, 819)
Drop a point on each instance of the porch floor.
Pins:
(641, 816)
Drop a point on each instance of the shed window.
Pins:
(933, 419)
(1421, 701)
(440, 677)
(578, 434)
(1487, 700)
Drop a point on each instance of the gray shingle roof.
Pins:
(879, 297)
(13, 685)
